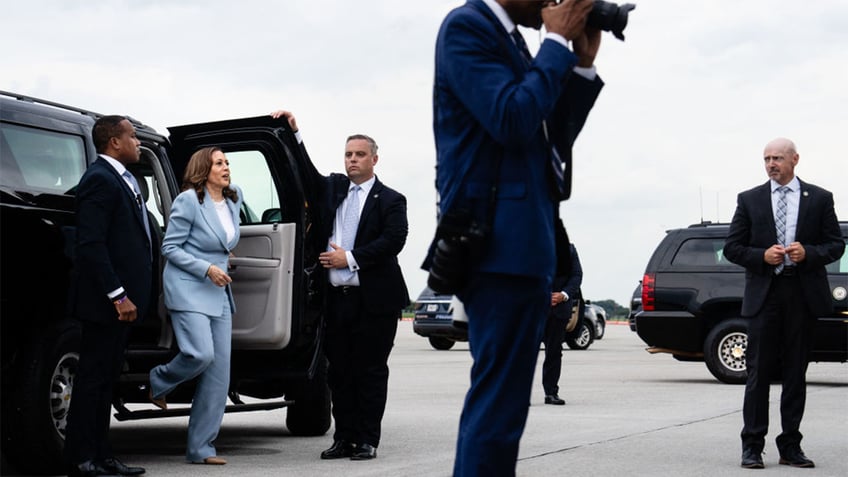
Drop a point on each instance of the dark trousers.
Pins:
(778, 340)
(357, 347)
(554, 335)
(506, 318)
(101, 359)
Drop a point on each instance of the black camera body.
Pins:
(608, 16)
(460, 241)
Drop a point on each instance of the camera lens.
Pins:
(608, 16)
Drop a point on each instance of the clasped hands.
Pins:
(774, 254)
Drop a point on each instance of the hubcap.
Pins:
(731, 351)
(61, 387)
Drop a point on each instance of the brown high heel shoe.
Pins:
(213, 460)
(158, 402)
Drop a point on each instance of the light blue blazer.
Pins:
(194, 240)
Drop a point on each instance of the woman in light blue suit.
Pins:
(202, 230)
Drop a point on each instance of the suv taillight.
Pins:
(648, 283)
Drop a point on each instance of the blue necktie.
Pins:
(556, 163)
(350, 223)
(780, 222)
(139, 202)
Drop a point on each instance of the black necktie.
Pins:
(522, 46)
(556, 163)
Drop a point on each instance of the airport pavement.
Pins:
(628, 413)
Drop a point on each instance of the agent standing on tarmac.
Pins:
(366, 293)
(503, 118)
(111, 288)
(783, 232)
(565, 293)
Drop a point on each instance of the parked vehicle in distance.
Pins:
(433, 319)
(600, 318)
(692, 297)
(45, 148)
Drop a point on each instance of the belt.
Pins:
(344, 289)
(789, 271)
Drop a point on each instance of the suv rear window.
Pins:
(40, 161)
(701, 252)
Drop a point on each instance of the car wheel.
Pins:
(440, 343)
(582, 337)
(600, 328)
(35, 413)
(310, 413)
(725, 349)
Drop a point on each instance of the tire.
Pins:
(582, 337)
(310, 413)
(440, 343)
(600, 329)
(35, 413)
(725, 349)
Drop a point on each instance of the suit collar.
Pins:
(500, 14)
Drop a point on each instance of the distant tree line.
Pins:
(613, 309)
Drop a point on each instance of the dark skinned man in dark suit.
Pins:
(111, 289)
(786, 288)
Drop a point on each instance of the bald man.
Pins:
(784, 232)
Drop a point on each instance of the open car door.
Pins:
(276, 278)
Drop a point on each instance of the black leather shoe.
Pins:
(554, 399)
(115, 466)
(752, 459)
(89, 469)
(338, 450)
(795, 458)
(364, 452)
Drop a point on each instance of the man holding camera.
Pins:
(504, 124)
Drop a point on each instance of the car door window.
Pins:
(40, 161)
(249, 170)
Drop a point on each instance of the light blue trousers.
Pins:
(205, 343)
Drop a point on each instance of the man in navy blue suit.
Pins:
(112, 286)
(783, 232)
(503, 118)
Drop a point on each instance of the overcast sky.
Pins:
(691, 97)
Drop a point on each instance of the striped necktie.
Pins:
(780, 222)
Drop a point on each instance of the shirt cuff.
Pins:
(351, 262)
(564, 295)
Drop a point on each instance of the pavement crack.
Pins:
(628, 436)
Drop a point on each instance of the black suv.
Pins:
(692, 297)
(277, 354)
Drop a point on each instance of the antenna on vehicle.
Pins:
(701, 200)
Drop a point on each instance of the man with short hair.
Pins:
(111, 288)
(783, 232)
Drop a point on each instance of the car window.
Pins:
(701, 252)
(841, 265)
(40, 161)
(249, 170)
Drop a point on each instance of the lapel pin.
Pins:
(806, 193)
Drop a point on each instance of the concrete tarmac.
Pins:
(628, 413)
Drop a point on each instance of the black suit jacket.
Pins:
(380, 237)
(752, 232)
(112, 248)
